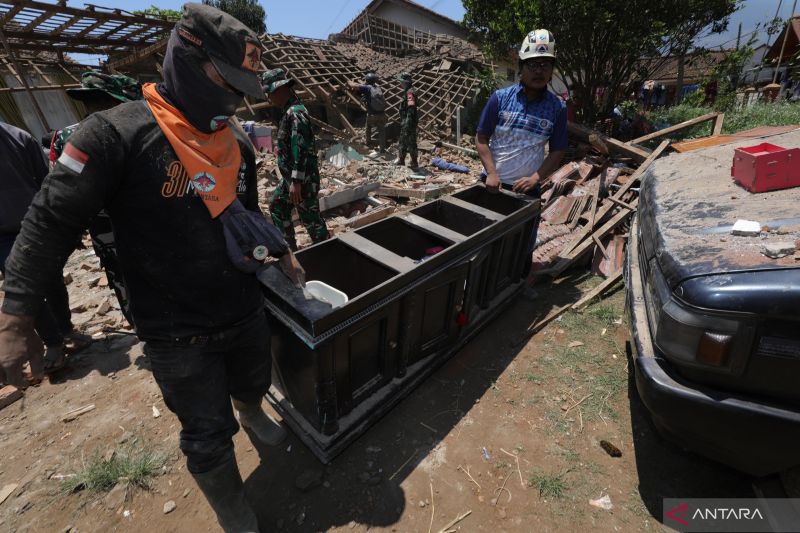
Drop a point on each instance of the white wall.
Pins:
(750, 71)
(407, 16)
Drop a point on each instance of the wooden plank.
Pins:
(621, 203)
(11, 13)
(370, 216)
(597, 291)
(676, 127)
(69, 416)
(38, 88)
(70, 74)
(95, 14)
(422, 194)
(8, 395)
(583, 133)
(552, 315)
(718, 124)
(605, 208)
(600, 246)
(43, 75)
(706, 142)
(345, 196)
(565, 261)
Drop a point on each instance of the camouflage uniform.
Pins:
(408, 125)
(59, 142)
(297, 162)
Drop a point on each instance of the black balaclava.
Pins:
(206, 105)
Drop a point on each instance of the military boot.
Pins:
(256, 420)
(224, 490)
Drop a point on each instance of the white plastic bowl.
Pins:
(326, 293)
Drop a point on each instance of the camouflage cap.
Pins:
(271, 80)
(93, 84)
(404, 76)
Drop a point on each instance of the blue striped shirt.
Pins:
(519, 128)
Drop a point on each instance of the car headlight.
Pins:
(691, 337)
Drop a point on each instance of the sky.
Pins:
(304, 18)
(319, 18)
(750, 15)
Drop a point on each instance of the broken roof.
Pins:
(373, 6)
(323, 68)
(696, 66)
(33, 26)
(792, 42)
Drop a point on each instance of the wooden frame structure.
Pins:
(718, 119)
(386, 36)
(321, 71)
(32, 25)
(34, 34)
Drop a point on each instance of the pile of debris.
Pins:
(588, 205)
(453, 47)
(94, 306)
(384, 65)
(365, 190)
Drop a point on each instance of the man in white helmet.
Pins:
(519, 120)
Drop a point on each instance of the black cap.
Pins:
(232, 47)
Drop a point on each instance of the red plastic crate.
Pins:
(766, 167)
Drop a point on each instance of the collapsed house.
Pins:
(447, 69)
(35, 68)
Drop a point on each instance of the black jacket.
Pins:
(172, 253)
(22, 169)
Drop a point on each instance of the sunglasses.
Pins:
(538, 65)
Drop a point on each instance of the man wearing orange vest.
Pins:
(180, 187)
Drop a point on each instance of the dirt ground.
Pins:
(508, 430)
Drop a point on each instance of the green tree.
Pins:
(169, 14)
(249, 12)
(600, 44)
(707, 18)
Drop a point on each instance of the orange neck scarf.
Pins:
(211, 159)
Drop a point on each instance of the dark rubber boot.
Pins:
(224, 490)
(253, 417)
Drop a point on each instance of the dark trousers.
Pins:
(198, 377)
(536, 192)
(54, 320)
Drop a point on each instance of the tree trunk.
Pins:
(679, 81)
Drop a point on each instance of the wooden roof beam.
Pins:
(44, 6)
(38, 20)
(11, 13)
(57, 41)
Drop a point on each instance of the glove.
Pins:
(249, 238)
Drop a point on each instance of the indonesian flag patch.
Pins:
(73, 159)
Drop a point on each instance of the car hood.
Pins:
(688, 204)
(773, 293)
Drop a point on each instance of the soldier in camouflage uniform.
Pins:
(408, 122)
(297, 163)
(98, 92)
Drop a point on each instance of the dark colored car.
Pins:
(716, 323)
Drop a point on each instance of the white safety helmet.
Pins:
(538, 43)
